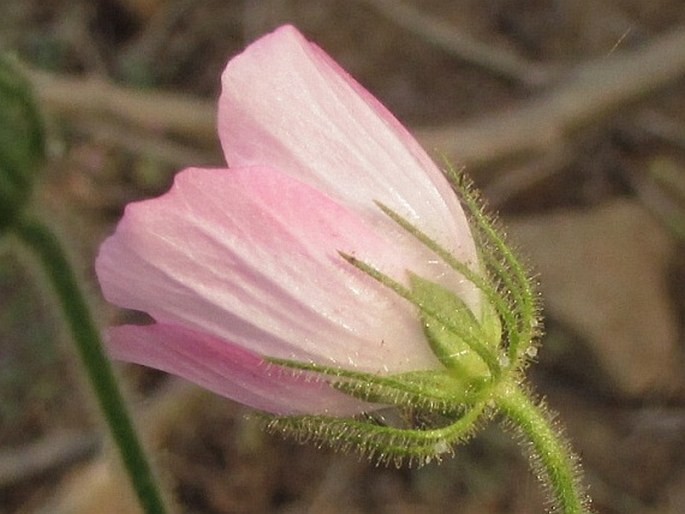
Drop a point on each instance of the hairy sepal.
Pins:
(449, 346)
(430, 392)
(414, 417)
(517, 303)
(383, 444)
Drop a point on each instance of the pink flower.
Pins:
(242, 263)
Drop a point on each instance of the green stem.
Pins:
(46, 246)
(551, 456)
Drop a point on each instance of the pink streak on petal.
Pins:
(286, 104)
(251, 256)
(228, 370)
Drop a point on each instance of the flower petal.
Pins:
(250, 255)
(287, 105)
(228, 370)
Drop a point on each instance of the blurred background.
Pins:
(569, 114)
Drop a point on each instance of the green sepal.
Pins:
(429, 392)
(486, 353)
(426, 392)
(518, 304)
(449, 347)
(381, 443)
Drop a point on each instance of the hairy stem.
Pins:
(49, 252)
(551, 457)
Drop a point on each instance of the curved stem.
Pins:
(551, 457)
(47, 248)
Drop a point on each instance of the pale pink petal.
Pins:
(287, 105)
(228, 370)
(251, 256)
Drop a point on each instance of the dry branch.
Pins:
(587, 95)
(156, 111)
(500, 62)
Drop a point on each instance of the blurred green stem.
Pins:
(551, 457)
(47, 248)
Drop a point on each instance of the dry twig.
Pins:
(156, 111)
(589, 93)
(500, 62)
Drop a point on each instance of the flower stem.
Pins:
(46, 246)
(551, 457)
